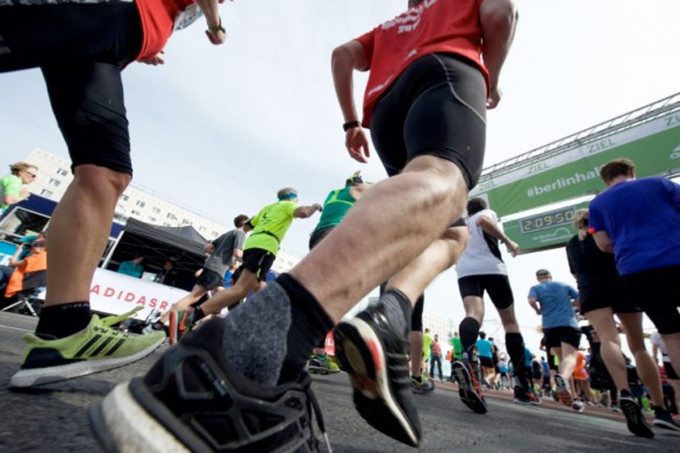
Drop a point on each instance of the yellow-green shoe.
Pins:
(96, 348)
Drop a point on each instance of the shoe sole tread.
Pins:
(371, 402)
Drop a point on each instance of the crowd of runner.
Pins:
(433, 73)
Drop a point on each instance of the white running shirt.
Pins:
(482, 255)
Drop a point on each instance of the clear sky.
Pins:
(221, 129)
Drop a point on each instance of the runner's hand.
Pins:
(216, 37)
(155, 60)
(357, 144)
(494, 98)
(513, 247)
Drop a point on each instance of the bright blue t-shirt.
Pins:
(527, 358)
(484, 348)
(642, 218)
(555, 299)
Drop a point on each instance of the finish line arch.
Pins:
(536, 193)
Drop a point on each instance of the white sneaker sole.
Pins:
(129, 428)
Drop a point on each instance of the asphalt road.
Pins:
(53, 418)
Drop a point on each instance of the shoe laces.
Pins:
(110, 321)
(313, 406)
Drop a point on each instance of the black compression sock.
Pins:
(198, 314)
(309, 325)
(515, 346)
(469, 329)
(61, 321)
(397, 302)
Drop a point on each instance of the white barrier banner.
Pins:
(116, 293)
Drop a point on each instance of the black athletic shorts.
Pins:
(317, 235)
(81, 49)
(656, 291)
(258, 261)
(436, 107)
(497, 285)
(210, 279)
(614, 295)
(555, 336)
(486, 362)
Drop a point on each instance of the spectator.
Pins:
(13, 186)
(167, 275)
(133, 268)
(35, 261)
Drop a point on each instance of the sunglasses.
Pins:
(32, 175)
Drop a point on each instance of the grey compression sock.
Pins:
(255, 336)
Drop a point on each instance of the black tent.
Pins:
(182, 245)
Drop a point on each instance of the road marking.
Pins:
(16, 328)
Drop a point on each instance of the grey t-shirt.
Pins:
(220, 260)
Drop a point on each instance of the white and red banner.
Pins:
(116, 293)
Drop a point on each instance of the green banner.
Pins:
(545, 230)
(654, 146)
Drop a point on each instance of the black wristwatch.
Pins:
(217, 28)
(350, 125)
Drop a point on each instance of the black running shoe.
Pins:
(634, 418)
(191, 400)
(469, 389)
(375, 355)
(525, 397)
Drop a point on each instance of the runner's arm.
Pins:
(534, 304)
(603, 241)
(490, 226)
(345, 59)
(302, 212)
(499, 20)
(215, 32)
(14, 261)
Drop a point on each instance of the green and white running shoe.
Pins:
(322, 364)
(96, 348)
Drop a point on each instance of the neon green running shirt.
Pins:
(9, 185)
(270, 226)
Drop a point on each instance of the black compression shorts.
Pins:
(656, 291)
(436, 107)
(81, 49)
(497, 285)
(614, 295)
